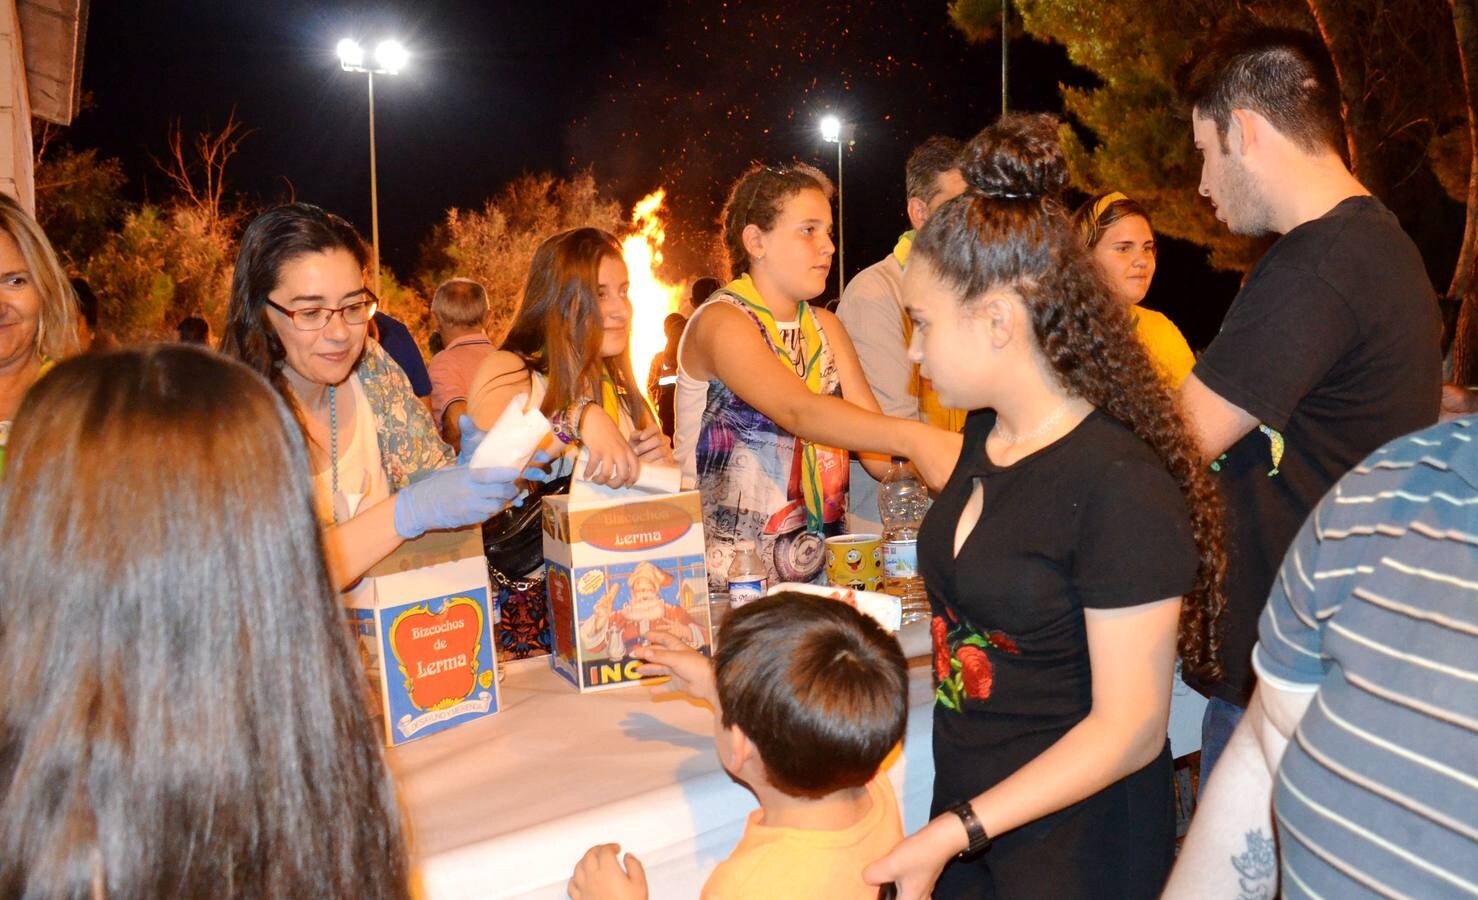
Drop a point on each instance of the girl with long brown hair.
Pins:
(1074, 550)
(184, 713)
(567, 353)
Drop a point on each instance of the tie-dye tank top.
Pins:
(749, 473)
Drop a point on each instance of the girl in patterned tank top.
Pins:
(771, 396)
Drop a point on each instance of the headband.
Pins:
(1089, 225)
(1104, 203)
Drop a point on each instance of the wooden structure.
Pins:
(41, 46)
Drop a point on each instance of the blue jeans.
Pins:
(1217, 725)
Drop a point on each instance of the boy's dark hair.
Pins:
(1283, 74)
(821, 690)
(927, 162)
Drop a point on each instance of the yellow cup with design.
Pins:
(855, 561)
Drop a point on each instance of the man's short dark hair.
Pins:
(927, 162)
(87, 302)
(704, 288)
(821, 690)
(1283, 74)
(193, 330)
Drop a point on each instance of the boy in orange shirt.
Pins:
(810, 696)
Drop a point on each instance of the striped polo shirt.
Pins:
(1376, 610)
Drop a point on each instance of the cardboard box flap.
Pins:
(430, 549)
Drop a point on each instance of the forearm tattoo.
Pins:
(1257, 868)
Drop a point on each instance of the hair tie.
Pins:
(1005, 195)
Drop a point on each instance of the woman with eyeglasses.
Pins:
(300, 315)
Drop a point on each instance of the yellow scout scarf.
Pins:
(743, 288)
(902, 248)
(935, 413)
(610, 401)
(47, 364)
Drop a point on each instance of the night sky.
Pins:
(682, 94)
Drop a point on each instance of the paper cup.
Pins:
(855, 561)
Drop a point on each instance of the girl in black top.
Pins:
(1076, 531)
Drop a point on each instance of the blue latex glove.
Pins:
(472, 436)
(453, 498)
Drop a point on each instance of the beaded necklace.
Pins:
(333, 443)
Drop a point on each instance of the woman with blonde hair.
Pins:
(38, 311)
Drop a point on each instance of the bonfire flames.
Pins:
(651, 297)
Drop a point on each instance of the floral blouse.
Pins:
(410, 447)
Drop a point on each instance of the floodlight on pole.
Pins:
(390, 58)
(351, 55)
(835, 131)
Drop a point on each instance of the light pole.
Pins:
(390, 57)
(835, 131)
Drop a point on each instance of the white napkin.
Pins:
(651, 478)
(885, 609)
(512, 439)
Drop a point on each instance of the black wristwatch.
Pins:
(979, 840)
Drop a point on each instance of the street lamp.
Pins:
(835, 131)
(390, 57)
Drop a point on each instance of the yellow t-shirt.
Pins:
(1167, 346)
(47, 365)
(778, 863)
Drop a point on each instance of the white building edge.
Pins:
(41, 46)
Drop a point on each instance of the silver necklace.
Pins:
(1005, 436)
(333, 443)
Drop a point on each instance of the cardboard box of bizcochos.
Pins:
(620, 565)
(423, 623)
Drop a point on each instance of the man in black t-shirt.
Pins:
(1330, 349)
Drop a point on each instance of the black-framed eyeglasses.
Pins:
(316, 318)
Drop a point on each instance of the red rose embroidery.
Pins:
(976, 671)
(1000, 640)
(940, 630)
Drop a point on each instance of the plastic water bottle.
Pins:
(902, 501)
(747, 578)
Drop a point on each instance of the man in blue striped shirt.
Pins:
(1362, 734)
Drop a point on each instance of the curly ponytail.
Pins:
(1008, 229)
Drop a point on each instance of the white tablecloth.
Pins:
(506, 806)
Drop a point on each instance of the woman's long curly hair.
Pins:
(1008, 230)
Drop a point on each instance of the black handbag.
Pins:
(513, 539)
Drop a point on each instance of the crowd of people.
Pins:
(1280, 517)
